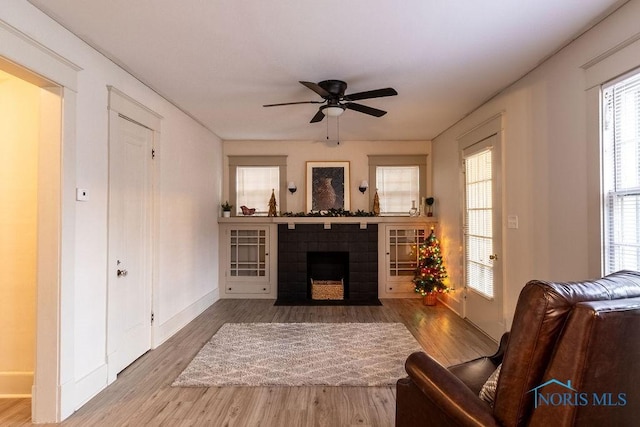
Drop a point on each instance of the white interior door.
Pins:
(129, 242)
(482, 236)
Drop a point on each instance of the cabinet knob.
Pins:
(264, 289)
(229, 288)
(390, 289)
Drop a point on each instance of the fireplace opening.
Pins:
(328, 275)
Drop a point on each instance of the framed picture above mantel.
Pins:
(328, 186)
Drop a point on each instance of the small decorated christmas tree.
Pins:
(430, 273)
(272, 204)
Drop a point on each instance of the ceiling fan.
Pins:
(335, 101)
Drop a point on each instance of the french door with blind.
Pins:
(482, 236)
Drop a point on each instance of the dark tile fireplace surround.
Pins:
(310, 242)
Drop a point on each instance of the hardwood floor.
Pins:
(142, 394)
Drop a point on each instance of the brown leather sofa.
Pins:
(572, 358)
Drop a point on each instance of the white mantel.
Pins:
(328, 220)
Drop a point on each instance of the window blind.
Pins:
(397, 187)
(621, 180)
(254, 185)
(479, 222)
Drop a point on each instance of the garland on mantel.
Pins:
(330, 213)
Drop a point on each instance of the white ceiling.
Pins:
(220, 61)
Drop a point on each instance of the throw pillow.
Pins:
(488, 391)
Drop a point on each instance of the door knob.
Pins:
(122, 273)
(493, 257)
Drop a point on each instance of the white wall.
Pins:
(548, 172)
(19, 136)
(299, 152)
(189, 184)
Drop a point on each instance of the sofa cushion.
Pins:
(474, 373)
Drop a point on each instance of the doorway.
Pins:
(482, 228)
(30, 168)
(19, 129)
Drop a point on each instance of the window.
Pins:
(478, 228)
(398, 187)
(621, 174)
(254, 185)
(251, 180)
(399, 180)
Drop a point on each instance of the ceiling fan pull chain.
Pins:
(327, 129)
(338, 136)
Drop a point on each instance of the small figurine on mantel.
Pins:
(376, 204)
(272, 204)
(247, 211)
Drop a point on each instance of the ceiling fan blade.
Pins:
(364, 109)
(318, 117)
(317, 89)
(378, 93)
(293, 103)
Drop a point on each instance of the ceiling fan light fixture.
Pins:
(333, 111)
(335, 101)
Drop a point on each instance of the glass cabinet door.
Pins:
(248, 257)
(403, 251)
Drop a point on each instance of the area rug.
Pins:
(301, 354)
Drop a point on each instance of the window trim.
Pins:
(280, 161)
(599, 71)
(609, 191)
(420, 160)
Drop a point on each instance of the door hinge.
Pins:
(153, 317)
(153, 153)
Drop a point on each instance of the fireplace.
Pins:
(328, 275)
(344, 253)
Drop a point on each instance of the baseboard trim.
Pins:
(16, 384)
(164, 331)
(449, 307)
(90, 385)
(398, 295)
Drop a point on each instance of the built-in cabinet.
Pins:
(398, 258)
(249, 249)
(248, 261)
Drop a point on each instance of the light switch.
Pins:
(512, 221)
(82, 194)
